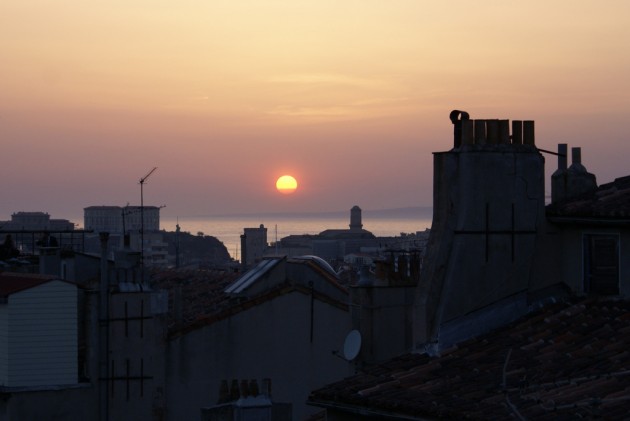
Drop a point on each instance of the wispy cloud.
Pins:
(328, 79)
(361, 108)
(298, 111)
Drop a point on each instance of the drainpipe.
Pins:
(103, 332)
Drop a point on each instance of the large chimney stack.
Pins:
(488, 209)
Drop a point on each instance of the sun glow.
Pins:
(286, 184)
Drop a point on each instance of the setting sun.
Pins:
(286, 184)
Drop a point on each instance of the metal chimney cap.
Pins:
(455, 116)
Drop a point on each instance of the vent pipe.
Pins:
(457, 117)
(562, 157)
(576, 160)
(579, 180)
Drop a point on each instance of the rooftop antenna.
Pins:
(177, 229)
(142, 181)
(123, 212)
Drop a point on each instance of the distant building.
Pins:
(103, 219)
(29, 230)
(355, 219)
(35, 221)
(253, 245)
(119, 220)
(333, 245)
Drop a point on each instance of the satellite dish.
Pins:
(352, 345)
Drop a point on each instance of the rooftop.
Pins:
(610, 200)
(10, 282)
(566, 360)
(210, 296)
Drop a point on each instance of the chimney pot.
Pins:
(253, 387)
(244, 388)
(480, 132)
(467, 132)
(528, 133)
(504, 132)
(492, 127)
(235, 392)
(517, 132)
(224, 392)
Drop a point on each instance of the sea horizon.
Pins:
(228, 228)
(399, 212)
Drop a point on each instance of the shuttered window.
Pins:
(601, 264)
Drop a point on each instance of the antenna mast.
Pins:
(142, 181)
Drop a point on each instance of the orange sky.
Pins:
(350, 97)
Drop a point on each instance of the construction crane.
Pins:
(142, 181)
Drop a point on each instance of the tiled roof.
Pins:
(201, 293)
(10, 283)
(205, 301)
(610, 200)
(565, 361)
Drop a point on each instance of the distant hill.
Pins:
(203, 249)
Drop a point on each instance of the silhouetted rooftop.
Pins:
(206, 297)
(610, 200)
(565, 361)
(10, 282)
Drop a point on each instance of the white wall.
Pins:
(42, 342)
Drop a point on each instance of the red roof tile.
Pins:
(609, 201)
(10, 283)
(204, 300)
(565, 361)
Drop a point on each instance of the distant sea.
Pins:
(228, 228)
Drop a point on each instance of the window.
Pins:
(601, 264)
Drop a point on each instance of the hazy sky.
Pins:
(349, 96)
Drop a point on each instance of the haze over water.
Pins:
(228, 229)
